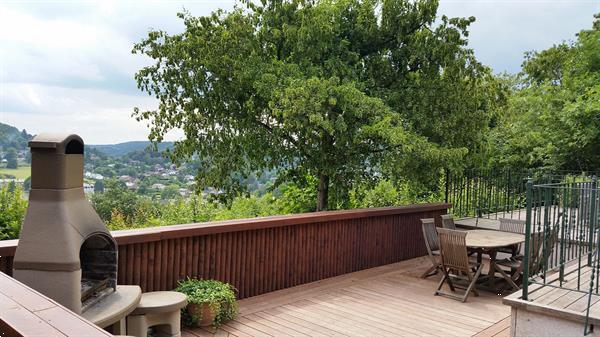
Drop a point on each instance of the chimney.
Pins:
(65, 250)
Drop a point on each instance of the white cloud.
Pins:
(505, 29)
(99, 116)
(67, 66)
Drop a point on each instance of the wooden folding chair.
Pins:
(512, 226)
(433, 246)
(517, 265)
(448, 221)
(453, 249)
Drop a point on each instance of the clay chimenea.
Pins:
(65, 250)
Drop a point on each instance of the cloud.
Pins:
(67, 65)
(506, 29)
(99, 116)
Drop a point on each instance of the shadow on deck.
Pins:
(390, 300)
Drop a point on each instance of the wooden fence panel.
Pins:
(266, 254)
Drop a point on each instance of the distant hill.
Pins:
(11, 137)
(118, 150)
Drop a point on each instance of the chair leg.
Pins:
(472, 285)
(507, 278)
(429, 272)
(440, 284)
(445, 278)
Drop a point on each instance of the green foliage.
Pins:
(386, 193)
(11, 137)
(346, 92)
(98, 186)
(118, 201)
(293, 198)
(218, 295)
(170, 192)
(11, 159)
(12, 211)
(552, 119)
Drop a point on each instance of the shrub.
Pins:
(218, 295)
(12, 211)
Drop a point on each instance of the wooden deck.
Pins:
(568, 302)
(390, 300)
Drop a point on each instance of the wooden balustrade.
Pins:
(265, 254)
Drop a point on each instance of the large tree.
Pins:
(12, 159)
(553, 117)
(342, 91)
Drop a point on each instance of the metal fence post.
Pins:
(593, 220)
(447, 184)
(529, 196)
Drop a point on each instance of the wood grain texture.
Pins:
(390, 300)
(262, 255)
(26, 312)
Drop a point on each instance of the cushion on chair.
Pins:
(160, 302)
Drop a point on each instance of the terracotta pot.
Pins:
(204, 311)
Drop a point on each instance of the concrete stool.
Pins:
(160, 309)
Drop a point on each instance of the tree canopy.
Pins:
(552, 119)
(339, 93)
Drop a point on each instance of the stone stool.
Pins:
(160, 309)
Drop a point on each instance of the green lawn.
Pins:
(20, 173)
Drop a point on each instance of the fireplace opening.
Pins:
(98, 258)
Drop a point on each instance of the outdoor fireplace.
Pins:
(65, 250)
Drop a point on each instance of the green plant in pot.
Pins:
(210, 302)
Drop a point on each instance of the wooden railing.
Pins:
(265, 254)
(25, 312)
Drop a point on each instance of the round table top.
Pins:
(481, 238)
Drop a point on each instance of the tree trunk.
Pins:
(323, 192)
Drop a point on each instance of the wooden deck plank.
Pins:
(496, 329)
(390, 300)
(318, 327)
(581, 304)
(420, 312)
(351, 326)
(284, 328)
(567, 299)
(398, 320)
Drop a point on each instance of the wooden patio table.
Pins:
(487, 242)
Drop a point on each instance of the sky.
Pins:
(66, 66)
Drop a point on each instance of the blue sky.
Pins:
(66, 66)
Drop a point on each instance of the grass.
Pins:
(23, 172)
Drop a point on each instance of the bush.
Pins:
(12, 211)
(218, 295)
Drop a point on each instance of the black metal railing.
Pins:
(495, 193)
(562, 237)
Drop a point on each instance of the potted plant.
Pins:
(210, 302)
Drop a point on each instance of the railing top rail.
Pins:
(8, 247)
(575, 185)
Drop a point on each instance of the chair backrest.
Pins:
(453, 249)
(430, 234)
(512, 225)
(550, 240)
(535, 252)
(448, 221)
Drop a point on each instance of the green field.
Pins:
(20, 173)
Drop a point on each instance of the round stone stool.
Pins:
(160, 309)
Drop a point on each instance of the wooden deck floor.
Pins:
(389, 300)
(569, 301)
